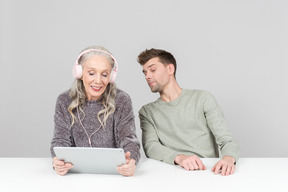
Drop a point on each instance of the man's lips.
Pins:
(151, 83)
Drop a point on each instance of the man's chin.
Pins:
(154, 90)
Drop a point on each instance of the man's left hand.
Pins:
(226, 166)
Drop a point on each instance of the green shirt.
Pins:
(192, 124)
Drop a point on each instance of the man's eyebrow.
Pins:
(148, 67)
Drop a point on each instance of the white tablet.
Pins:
(92, 160)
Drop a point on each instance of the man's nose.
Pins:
(147, 76)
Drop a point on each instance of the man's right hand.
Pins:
(61, 167)
(189, 162)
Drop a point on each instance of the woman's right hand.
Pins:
(60, 166)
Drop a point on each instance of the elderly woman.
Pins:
(94, 113)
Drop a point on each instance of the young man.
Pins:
(183, 125)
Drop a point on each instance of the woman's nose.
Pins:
(97, 78)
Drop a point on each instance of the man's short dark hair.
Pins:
(164, 57)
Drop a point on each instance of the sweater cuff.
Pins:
(171, 159)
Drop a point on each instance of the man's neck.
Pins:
(171, 92)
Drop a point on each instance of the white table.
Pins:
(252, 174)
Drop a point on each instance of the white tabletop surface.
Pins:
(252, 174)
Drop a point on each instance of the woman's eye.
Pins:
(91, 73)
(105, 74)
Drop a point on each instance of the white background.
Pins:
(237, 50)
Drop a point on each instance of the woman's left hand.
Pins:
(127, 169)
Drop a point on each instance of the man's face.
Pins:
(156, 74)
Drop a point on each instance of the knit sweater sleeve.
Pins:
(217, 124)
(125, 126)
(62, 132)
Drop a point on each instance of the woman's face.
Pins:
(96, 76)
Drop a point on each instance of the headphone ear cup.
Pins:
(77, 71)
(113, 76)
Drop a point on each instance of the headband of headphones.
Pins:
(77, 69)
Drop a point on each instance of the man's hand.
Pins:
(189, 162)
(225, 166)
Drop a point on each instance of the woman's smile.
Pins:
(96, 88)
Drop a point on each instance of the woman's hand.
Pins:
(127, 169)
(60, 166)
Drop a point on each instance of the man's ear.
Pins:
(171, 68)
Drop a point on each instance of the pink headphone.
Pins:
(77, 69)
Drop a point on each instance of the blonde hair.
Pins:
(78, 94)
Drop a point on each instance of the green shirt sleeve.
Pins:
(218, 126)
(151, 144)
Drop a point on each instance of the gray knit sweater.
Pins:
(118, 133)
